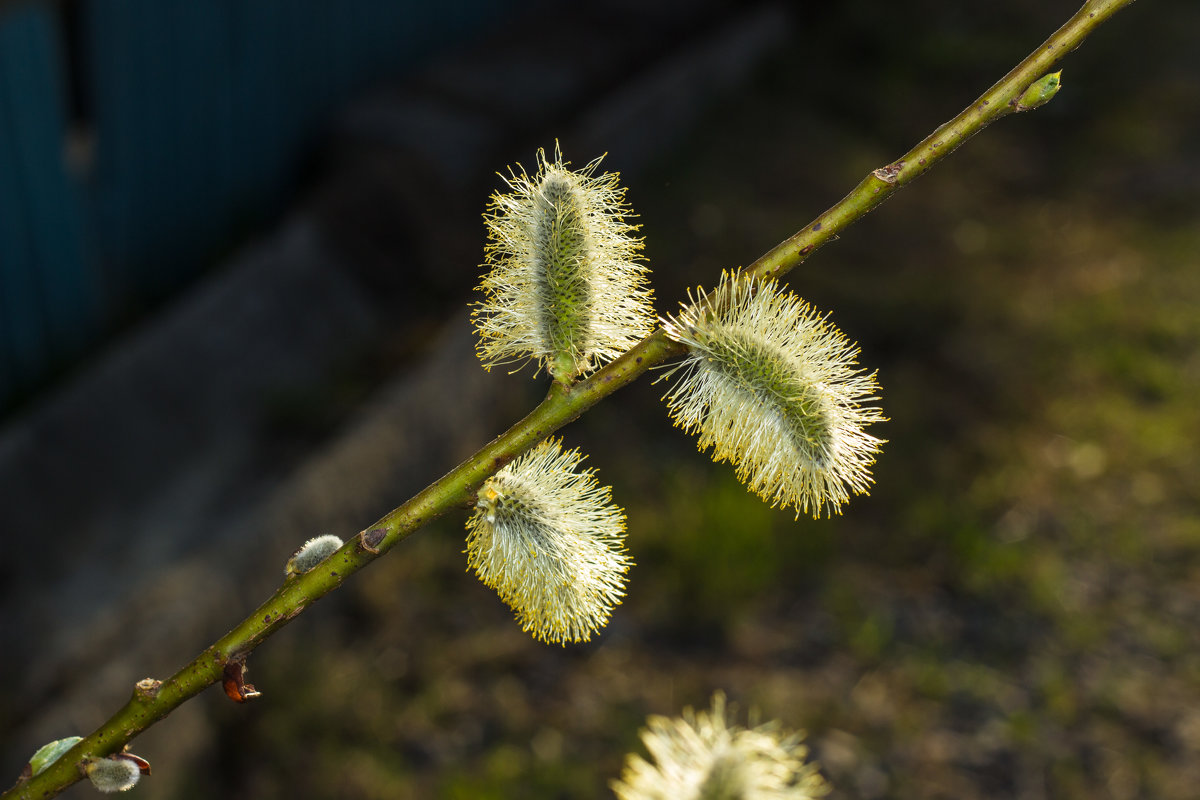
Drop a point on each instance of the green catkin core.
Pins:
(513, 506)
(562, 273)
(770, 376)
(724, 780)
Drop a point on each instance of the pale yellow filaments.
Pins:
(565, 286)
(772, 386)
(702, 757)
(549, 540)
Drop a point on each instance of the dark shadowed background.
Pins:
(237, 244)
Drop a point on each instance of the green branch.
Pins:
(152, 700)
(1002, 99)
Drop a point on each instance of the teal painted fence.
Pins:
(197, 114)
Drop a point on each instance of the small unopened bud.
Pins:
(312, 553)
(47, 754)
(1040, 91)
(117, 773)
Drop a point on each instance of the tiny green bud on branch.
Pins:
(564, 286)
(772, 387)
(1040, 92)
(549, 541)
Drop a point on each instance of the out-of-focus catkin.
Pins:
(701, 756)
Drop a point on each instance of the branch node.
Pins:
(146, 689)
(370, 540)
(889, 173)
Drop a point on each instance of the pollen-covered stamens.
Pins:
(778, 385)
(772, 386)
(702, 756)
(565, 286)
(549, 541)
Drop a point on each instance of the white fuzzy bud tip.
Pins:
(772, 387)
(313, 552)
(564, 285)
(551, 543)
(113, 774)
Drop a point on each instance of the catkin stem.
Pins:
(562, 405)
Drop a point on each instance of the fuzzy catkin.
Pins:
(565, 286)
(772, 386)
(549, 540)
(312, 553)
(700, 756)
(113, 774)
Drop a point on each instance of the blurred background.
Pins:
(237, 244)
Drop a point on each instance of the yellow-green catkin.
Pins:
(548, 539)
(565, 285)
(772, 386)
(700, 756)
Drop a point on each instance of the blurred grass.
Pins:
(1014, 610)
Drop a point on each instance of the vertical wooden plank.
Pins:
(66, 281)
(145, 181)
(297, 87)
(108, 40)
(343, 61)
(160, 260)
(312, 79)
(51, 294)
(192, 186)
(205, 109)
(257, 51)
(21, 330)
(203, 121)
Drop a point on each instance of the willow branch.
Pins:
(998, 101)
(152, 700)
